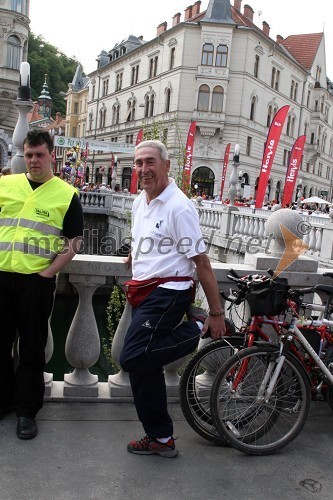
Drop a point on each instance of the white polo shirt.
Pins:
(165, 235)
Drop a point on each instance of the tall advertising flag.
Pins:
(225, 166)
(273, 138)
(134, 177)
(293, 169)
(188, 158)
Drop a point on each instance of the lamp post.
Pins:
(23, 104)
(234, 176)
(299, 192)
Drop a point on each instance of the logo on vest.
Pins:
(42, 213)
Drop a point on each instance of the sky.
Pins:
(83, 29)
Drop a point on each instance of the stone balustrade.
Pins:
(225, 227)
(88, 273)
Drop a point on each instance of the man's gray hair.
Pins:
(154, 144)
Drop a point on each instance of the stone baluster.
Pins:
(119, 384)
(246, 227)
(237, 224)
(83, 342)
(319, 234)
(48, 377)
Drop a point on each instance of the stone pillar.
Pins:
(20, 132)
(119, 384)
(83, 342)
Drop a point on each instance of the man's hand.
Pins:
(216, 325)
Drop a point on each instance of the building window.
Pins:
(203, 98)
(129, 139)
(115, 114)
(322, 102)
(308, 99)
(217, 99)
(293, 90)
(172, 57)
(318, 74)
(221, 56)
(131, 110)
(256, 66)
(167, 100)
(320, 169)
(119, 81)
(90, 120)
(20, 6)
(105, 87)
(93, 92)
(207, 54)
(312, 138)
(288, 126)
(152, 104)
(253, 108)
(275, 78)
(286, 155)
(13, 52)
(135, 75)
(153, 67)
(102, 117)
(76, 108)
(248, 146)
(269, 116)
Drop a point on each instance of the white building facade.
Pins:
(217, 68)
(14, 28)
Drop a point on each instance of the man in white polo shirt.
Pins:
(167, 245)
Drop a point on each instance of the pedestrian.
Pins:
(167, 246)
(6, 171)
(41, 225)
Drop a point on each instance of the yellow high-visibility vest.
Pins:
(31, 222)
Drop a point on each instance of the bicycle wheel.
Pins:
(243, 413)
(196, 382)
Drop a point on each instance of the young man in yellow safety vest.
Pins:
(41, 227)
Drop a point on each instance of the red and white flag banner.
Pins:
(134, 177)
(273, 138)
(188, 157)
(294, 166)
(225, 166)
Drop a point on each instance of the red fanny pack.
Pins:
(136, 291)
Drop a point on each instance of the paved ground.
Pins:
(80, 454)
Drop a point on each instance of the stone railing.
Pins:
(105, 203)
(222, 224)
(83, 345)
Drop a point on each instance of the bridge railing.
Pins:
(83, 344)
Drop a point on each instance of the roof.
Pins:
(303, 47)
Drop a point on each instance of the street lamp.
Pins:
(299, 192)
(234, 176)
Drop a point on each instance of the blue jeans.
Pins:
(156, 337)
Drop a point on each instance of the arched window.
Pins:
(203, 98)
(146, 106)
(204, 179)
(221, 56)
(151, 106)
(253, 108)
(217, 99)
(115, 114)
(102, 117)
(269, 116)
(91, 120)
(131, 103)
(167, 100)
(207, 54)
(13, 52)
(256, 66)
(288, 126)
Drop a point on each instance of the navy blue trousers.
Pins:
(156, 337)
(25, 305)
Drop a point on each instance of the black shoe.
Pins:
(7, 409)
(26, 428)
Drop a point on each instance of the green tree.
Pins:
(45, 59)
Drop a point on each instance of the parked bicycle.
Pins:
(198, 377)
(261, 396)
